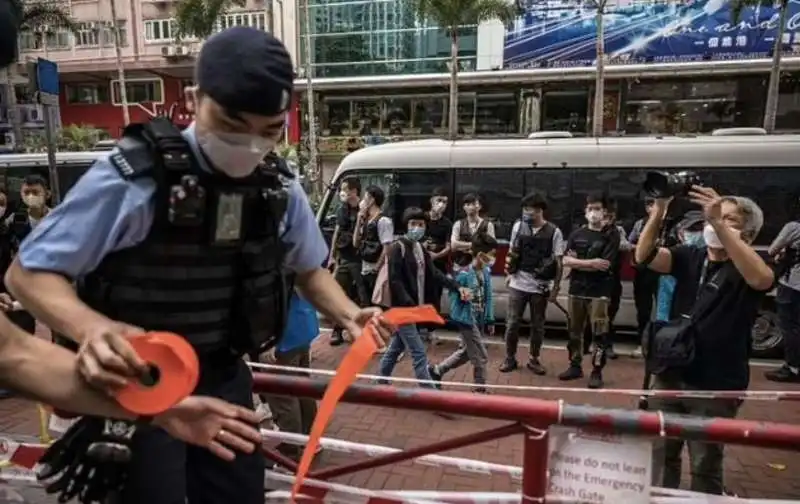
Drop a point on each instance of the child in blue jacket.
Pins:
(473, 315)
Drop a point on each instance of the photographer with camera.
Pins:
(706, 343)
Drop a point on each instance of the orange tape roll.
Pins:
(174, 371)
(353, 363)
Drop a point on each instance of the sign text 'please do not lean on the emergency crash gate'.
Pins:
(599, 469)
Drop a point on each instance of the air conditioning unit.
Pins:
(182, 50)
(168, 51)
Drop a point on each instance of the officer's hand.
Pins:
(106, 359)
(6, 302)
(212, 423)
(466, 294)
(382, 329)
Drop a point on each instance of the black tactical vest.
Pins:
(220, 295)
(370, 247)
(535, 251)
(344, 240)
(464, 235)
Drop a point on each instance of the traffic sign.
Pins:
(47, 76)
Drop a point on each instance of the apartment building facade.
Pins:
(157, 67)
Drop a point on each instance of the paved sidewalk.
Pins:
(749, 472)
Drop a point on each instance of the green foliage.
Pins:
(72, 138)
(452, 14)
(36, 15)
(199, 18)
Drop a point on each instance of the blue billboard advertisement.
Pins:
(561, 33)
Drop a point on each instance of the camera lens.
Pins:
(659, 184)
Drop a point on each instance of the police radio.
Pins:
(187, 202)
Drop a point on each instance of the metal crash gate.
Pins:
(527, 416)
(530, 417)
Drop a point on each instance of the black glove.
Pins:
(89, 462)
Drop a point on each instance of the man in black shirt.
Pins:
(719, 288)
(437, 243)
(343, 253)
(592, 250)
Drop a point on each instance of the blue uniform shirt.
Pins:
(301, 327)
(105, 213)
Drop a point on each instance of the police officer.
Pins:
(190, 233)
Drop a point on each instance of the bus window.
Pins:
(776, 190)
(414, 188)
(381, 179)
(624, 186)
(500, 190)
(68, 176)
(15, 175)
(556, 186)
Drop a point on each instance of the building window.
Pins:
(87, 35)
(139, 91)
(252, 19)
(30, 41)
(87, 94)
(107, 34)
(58, 39)
(159, 30)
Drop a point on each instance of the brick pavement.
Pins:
(749, 472)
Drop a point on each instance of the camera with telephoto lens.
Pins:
(659, 184)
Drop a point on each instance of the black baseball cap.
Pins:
(246, 70)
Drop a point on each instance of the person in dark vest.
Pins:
(533, 269)
(591, 253)
(464, 230)
(437, 243)
(34, 194)
(193, 233)
(374, 234)
(343, 255)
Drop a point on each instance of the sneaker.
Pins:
(596, 379)
(536, 366)
(573, 372)
(435, 376)
(508, 366)
(610, 353)
(336, 338)
(783, 374)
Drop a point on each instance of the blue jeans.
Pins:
(406, 338)
(787, 305)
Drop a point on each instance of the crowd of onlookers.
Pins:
(699, 285)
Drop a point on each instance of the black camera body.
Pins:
(659, 184)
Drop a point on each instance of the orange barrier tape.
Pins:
(353, 363)
(174, 374)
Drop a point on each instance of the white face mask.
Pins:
(594, 217)
(363, 204)
(235, 154)
(33, 200)
(343, 196)
(711, 238)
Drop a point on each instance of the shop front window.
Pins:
(429, 116)
(788, 116)
(398, 116)
(366, 119)
(496, 114)
(565, 111)
(681, 107)
(466, 114)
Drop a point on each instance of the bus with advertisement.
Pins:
(565, 170)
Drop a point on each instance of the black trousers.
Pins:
(167, 471)
(645, 287)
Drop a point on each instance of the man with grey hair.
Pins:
(718, 292)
